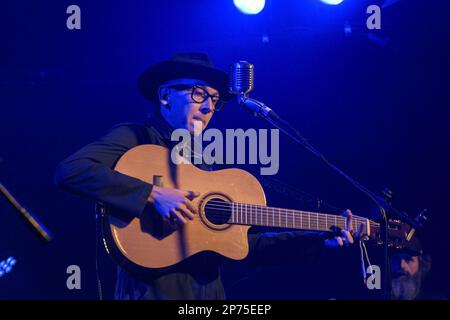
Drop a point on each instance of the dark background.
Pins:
(374, 102)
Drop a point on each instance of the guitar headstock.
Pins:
(400, 234)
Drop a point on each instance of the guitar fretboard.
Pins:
(256, 215)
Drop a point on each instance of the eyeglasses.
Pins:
(200, 95)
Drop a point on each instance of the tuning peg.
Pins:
(388, 195)
(421, 217)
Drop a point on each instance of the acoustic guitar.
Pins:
(230, 202)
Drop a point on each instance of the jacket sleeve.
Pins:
(89, 172)
(272, 248)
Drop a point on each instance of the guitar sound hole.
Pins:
(218, 211)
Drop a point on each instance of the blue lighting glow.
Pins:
(250, 6)
(332, 2)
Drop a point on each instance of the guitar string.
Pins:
(320, 219)
(254, 210)
(295, 223)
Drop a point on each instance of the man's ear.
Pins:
(163, 95)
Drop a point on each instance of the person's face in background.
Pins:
(406, 276)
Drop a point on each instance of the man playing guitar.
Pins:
(184, 90)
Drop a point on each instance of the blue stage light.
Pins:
(333, 2)
(250, 6)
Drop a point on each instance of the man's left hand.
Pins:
(346, 238)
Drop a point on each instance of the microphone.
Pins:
(241, 80)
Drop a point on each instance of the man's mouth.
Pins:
(199, 119)
(399, 275)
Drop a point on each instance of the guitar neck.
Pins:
(255, 215)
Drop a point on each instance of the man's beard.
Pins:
(406, 287)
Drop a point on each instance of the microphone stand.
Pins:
(262, 111)
(33, 222)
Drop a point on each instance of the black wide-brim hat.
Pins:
(190, 65)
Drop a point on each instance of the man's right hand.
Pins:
(173, 205)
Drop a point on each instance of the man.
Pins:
(409, 269)
(185, 89)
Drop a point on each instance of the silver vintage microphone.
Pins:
(241, 78)
(241, 83)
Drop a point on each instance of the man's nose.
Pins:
(207, 106)
(405, 266)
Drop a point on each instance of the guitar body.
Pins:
(143, 243)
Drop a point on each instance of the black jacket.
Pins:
(89, 172)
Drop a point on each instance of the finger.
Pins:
(179, 217)
(347, 237)
(191, 194)
(360, 230)
(166, 216)
(348, 214)
(170, 220)
(186, 212)
(173, 222)
(190, 207)
(339, 241)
